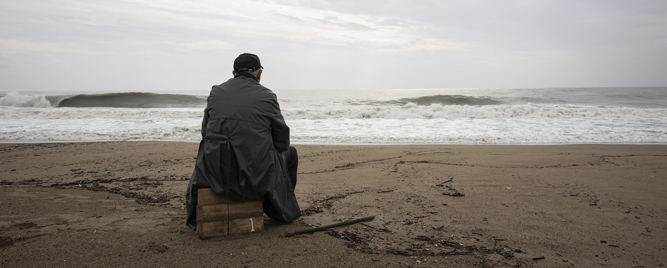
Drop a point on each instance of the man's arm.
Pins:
(279, 130)
(204, 123)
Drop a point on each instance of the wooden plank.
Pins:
(229, 211)
(213, 212)
(212, 229)
(250, 208)
(247, 225)
(206, 196)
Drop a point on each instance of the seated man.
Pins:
(245, 152)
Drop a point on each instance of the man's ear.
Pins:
(233, 73)
(259, 75)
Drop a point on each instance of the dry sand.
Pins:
(121, 204)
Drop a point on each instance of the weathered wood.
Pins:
(206, 196)
(212, 213)
(212, 229)
(219, 215)
(322, 228)
(229, 211)
(246, 225)
(250, 208)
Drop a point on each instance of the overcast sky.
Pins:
(178, 45)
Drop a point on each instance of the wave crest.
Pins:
(108, 100)
(133, 100)
(14, 99)
(447, 100)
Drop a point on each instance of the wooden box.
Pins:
(221, 215)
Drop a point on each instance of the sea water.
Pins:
(382, 116)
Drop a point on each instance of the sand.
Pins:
(121, 204)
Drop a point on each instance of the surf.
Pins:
(108, 100)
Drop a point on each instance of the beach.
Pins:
(121, 204)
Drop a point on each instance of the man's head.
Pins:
(247, 62)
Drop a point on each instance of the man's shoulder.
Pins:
(241, 80)
(229, 81)
(243, 85)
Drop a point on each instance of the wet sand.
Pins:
(121, 204)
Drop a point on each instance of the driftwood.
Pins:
(322, 228)
(451, 179)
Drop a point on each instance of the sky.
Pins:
(176, 45)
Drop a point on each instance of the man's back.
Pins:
(248, 114)
(252, 106)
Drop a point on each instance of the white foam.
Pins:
(14, 99)
(412, 111)
(95, 124)
(478, 131)
(498, 124)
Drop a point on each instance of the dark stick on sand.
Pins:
(322, 228)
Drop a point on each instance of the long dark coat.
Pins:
(241, 154)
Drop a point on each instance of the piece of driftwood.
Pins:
(456, 193)
(451, 179)
(322, 228)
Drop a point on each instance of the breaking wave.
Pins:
(447, 100)
(133, 100)
(159, 100)
(15, 99)
(109, 100)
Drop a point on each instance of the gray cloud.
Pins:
(182, 45)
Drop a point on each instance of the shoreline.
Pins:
(121, 203)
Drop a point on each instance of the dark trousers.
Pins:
(292, 163)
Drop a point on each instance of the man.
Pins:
(245, 152)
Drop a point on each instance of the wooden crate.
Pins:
(221, 215)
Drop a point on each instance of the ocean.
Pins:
(382, 116)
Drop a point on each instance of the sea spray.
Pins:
(15, 99)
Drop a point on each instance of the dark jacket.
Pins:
(244, 135)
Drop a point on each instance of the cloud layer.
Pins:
(190, 45)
